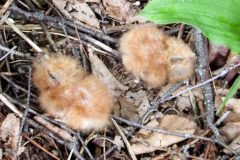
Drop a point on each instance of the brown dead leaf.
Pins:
(127, 109)
(233, 58)
(183, 103)
(101, 71)
(221, 91)
(9, 132)
(234, 145)
(144, 106)
(77, 11)
(231, 130)
(133, 105)
(148, 141)
(217, 55)
(119, 155)
(119, 9)
(118, 140)
(232, 117)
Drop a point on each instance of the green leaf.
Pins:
(219, 20)
(230, 94)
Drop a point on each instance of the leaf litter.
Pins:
(132, 99)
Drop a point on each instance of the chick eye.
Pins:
(176, 59)
(53, 77)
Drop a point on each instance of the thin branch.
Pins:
(17, 53)
(184, 135)
(202, 70)
(39, 146)
(26, 109)
(40, 17)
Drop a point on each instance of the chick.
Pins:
(155, 57)
(68, 93)
(143, 53)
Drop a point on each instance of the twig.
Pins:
(10, 105)
(15, 85)
(14, 52)
(202, 70)
(185, 135)
(70, 145)
(57, 23)
(5, 6)
(221, 74)
(166, 96)
(110, 150)
(70, 155)
(30, 42)
(176, 30)
(26, 109)
(222, 118)
(40, 17)
(8, 53)
(68, 39)
(60, 132)
(129, 148)
(39, 146)
(44, 27)
(84, 146)
(181, 30)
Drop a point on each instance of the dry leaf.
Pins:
(148, 141)
(183, 103)
(217, 55)
(77, 11)
(144, 106)
(134, 105)
(9, 132)
(233, 58)
(101, 71)
(128, 110)
(234, 145)
(231, 130)
(121, 155)
(232, 117)
(118, 140)
(221, 91)
(118, 9)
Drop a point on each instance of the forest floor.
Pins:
(176, 121)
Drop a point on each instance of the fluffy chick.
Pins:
(155, 57)
(68, 93)
(143, 53)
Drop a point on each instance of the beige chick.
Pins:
(155, 57)
(180, 62)
(143, 54)
(68, 93)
